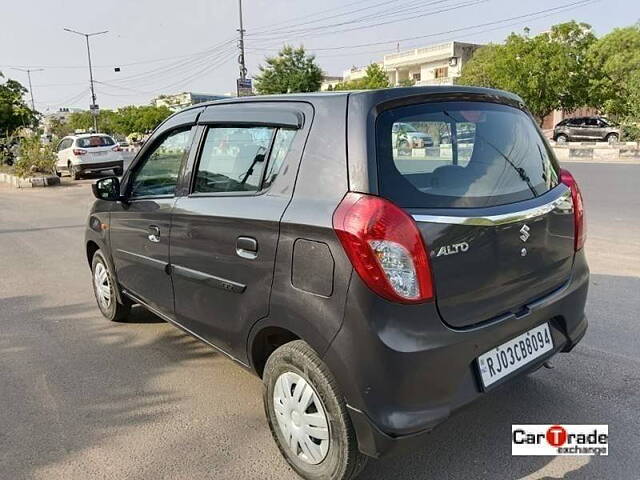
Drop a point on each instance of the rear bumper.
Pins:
(403, 371)
(98, 167)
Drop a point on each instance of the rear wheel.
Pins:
(307, 415)
(104, 288)
(73, 172)
(562, 138)
(612, 138)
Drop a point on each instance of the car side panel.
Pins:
(313, 313)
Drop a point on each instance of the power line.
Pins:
(555, 10)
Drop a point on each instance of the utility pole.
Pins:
(29, 70)
(243, 67)
(94, 106)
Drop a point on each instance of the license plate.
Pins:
(99, 153)
(517, 352)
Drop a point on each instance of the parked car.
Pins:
(88, 153)
(407, 137)
(586, 128)
(373, 294)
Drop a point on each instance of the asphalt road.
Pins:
(82, 398)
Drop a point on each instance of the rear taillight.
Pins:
(385, 247)
(79, 151)
(117, 148)
(580, 231)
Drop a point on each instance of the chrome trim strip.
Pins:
(563, 203)
(152, 262)
(210, 280)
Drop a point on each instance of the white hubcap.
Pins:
(301, 418)
(102, 285)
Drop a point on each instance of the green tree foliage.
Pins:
(291, 71)
(59, 127)
(14, 112)
(615, 76)
(35, 157)
(375, 77)
(124, 121)
(547, 71)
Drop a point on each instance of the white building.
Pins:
(185, 99)
(439, 64)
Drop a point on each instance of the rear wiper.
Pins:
(519, 170)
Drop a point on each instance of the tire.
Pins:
(73, 173)
(612, 138)
(117, 172)
(111, 309)
(56, 171)
(562, 138)
(297, 365)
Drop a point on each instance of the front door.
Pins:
(225, 232)
(140, 226)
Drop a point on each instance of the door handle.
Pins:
(154, 233)
(247, 247)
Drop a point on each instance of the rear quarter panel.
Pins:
(321, 183)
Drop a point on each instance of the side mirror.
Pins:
(107, 189)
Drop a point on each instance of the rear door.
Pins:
(225, 229)
(592, 129)
(497, 222)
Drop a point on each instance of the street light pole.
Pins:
(93, 106)
(29, 70)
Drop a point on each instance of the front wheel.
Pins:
(562, 138)
(612, 138)
(104, 288)
(117, 172)
(307, 415)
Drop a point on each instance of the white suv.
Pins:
(91, 152)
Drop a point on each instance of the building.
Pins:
(62, 115)
(185, 99)
(439, 64)
(328, 82)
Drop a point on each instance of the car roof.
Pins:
(86, 135)
(384, 94)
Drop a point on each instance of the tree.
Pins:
(615, 61)
(291, 71)
(375, 77)
(14, 112)
(549, 71)
(59, 127)
(124, 121)
(35, 157)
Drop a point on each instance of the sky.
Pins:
(166, 47)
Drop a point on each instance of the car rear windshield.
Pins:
(95, 141)
(461, 154)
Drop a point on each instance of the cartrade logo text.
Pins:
(560, 440)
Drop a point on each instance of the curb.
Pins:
(30, 182)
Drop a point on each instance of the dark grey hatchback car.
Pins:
(375, 290)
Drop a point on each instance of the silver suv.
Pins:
(586, 128)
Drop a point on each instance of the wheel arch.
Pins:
(264, 341)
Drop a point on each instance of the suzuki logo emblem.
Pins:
(525, 233)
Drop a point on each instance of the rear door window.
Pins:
(241, 159)
(461, 154)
